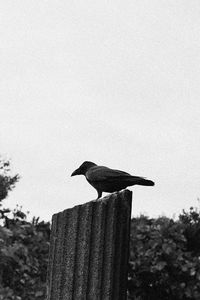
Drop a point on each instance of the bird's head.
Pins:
(83, 168)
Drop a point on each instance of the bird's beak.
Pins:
(76, 172)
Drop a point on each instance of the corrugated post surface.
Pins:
(89, 250)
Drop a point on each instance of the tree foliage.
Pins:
(24, 247)
(7, 181)
(165, 258)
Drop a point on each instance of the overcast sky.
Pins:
(114, 82)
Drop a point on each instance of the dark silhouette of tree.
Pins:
(164, 257)
(7, 181)
(24, 247)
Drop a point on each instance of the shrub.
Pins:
(24, 248)
(165, 258)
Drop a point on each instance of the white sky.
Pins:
(114, 82)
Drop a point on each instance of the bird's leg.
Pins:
(99, 194)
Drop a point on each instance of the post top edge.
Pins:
(122, 194)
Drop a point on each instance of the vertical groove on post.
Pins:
(109, 250)
(118, 254)
(122, 247)
(82, 252)
(89, 250)
(96, 252)
(125, 244)
(69, 244)
(56, 256)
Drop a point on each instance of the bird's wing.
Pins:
(100, 173)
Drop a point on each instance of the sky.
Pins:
(113, 82)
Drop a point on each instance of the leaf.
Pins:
(39, 294)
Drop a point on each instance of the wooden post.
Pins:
(89, 250)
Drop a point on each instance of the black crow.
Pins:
(104, 179)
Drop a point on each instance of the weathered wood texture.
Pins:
(89, 250)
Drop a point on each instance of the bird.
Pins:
(104, 179)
